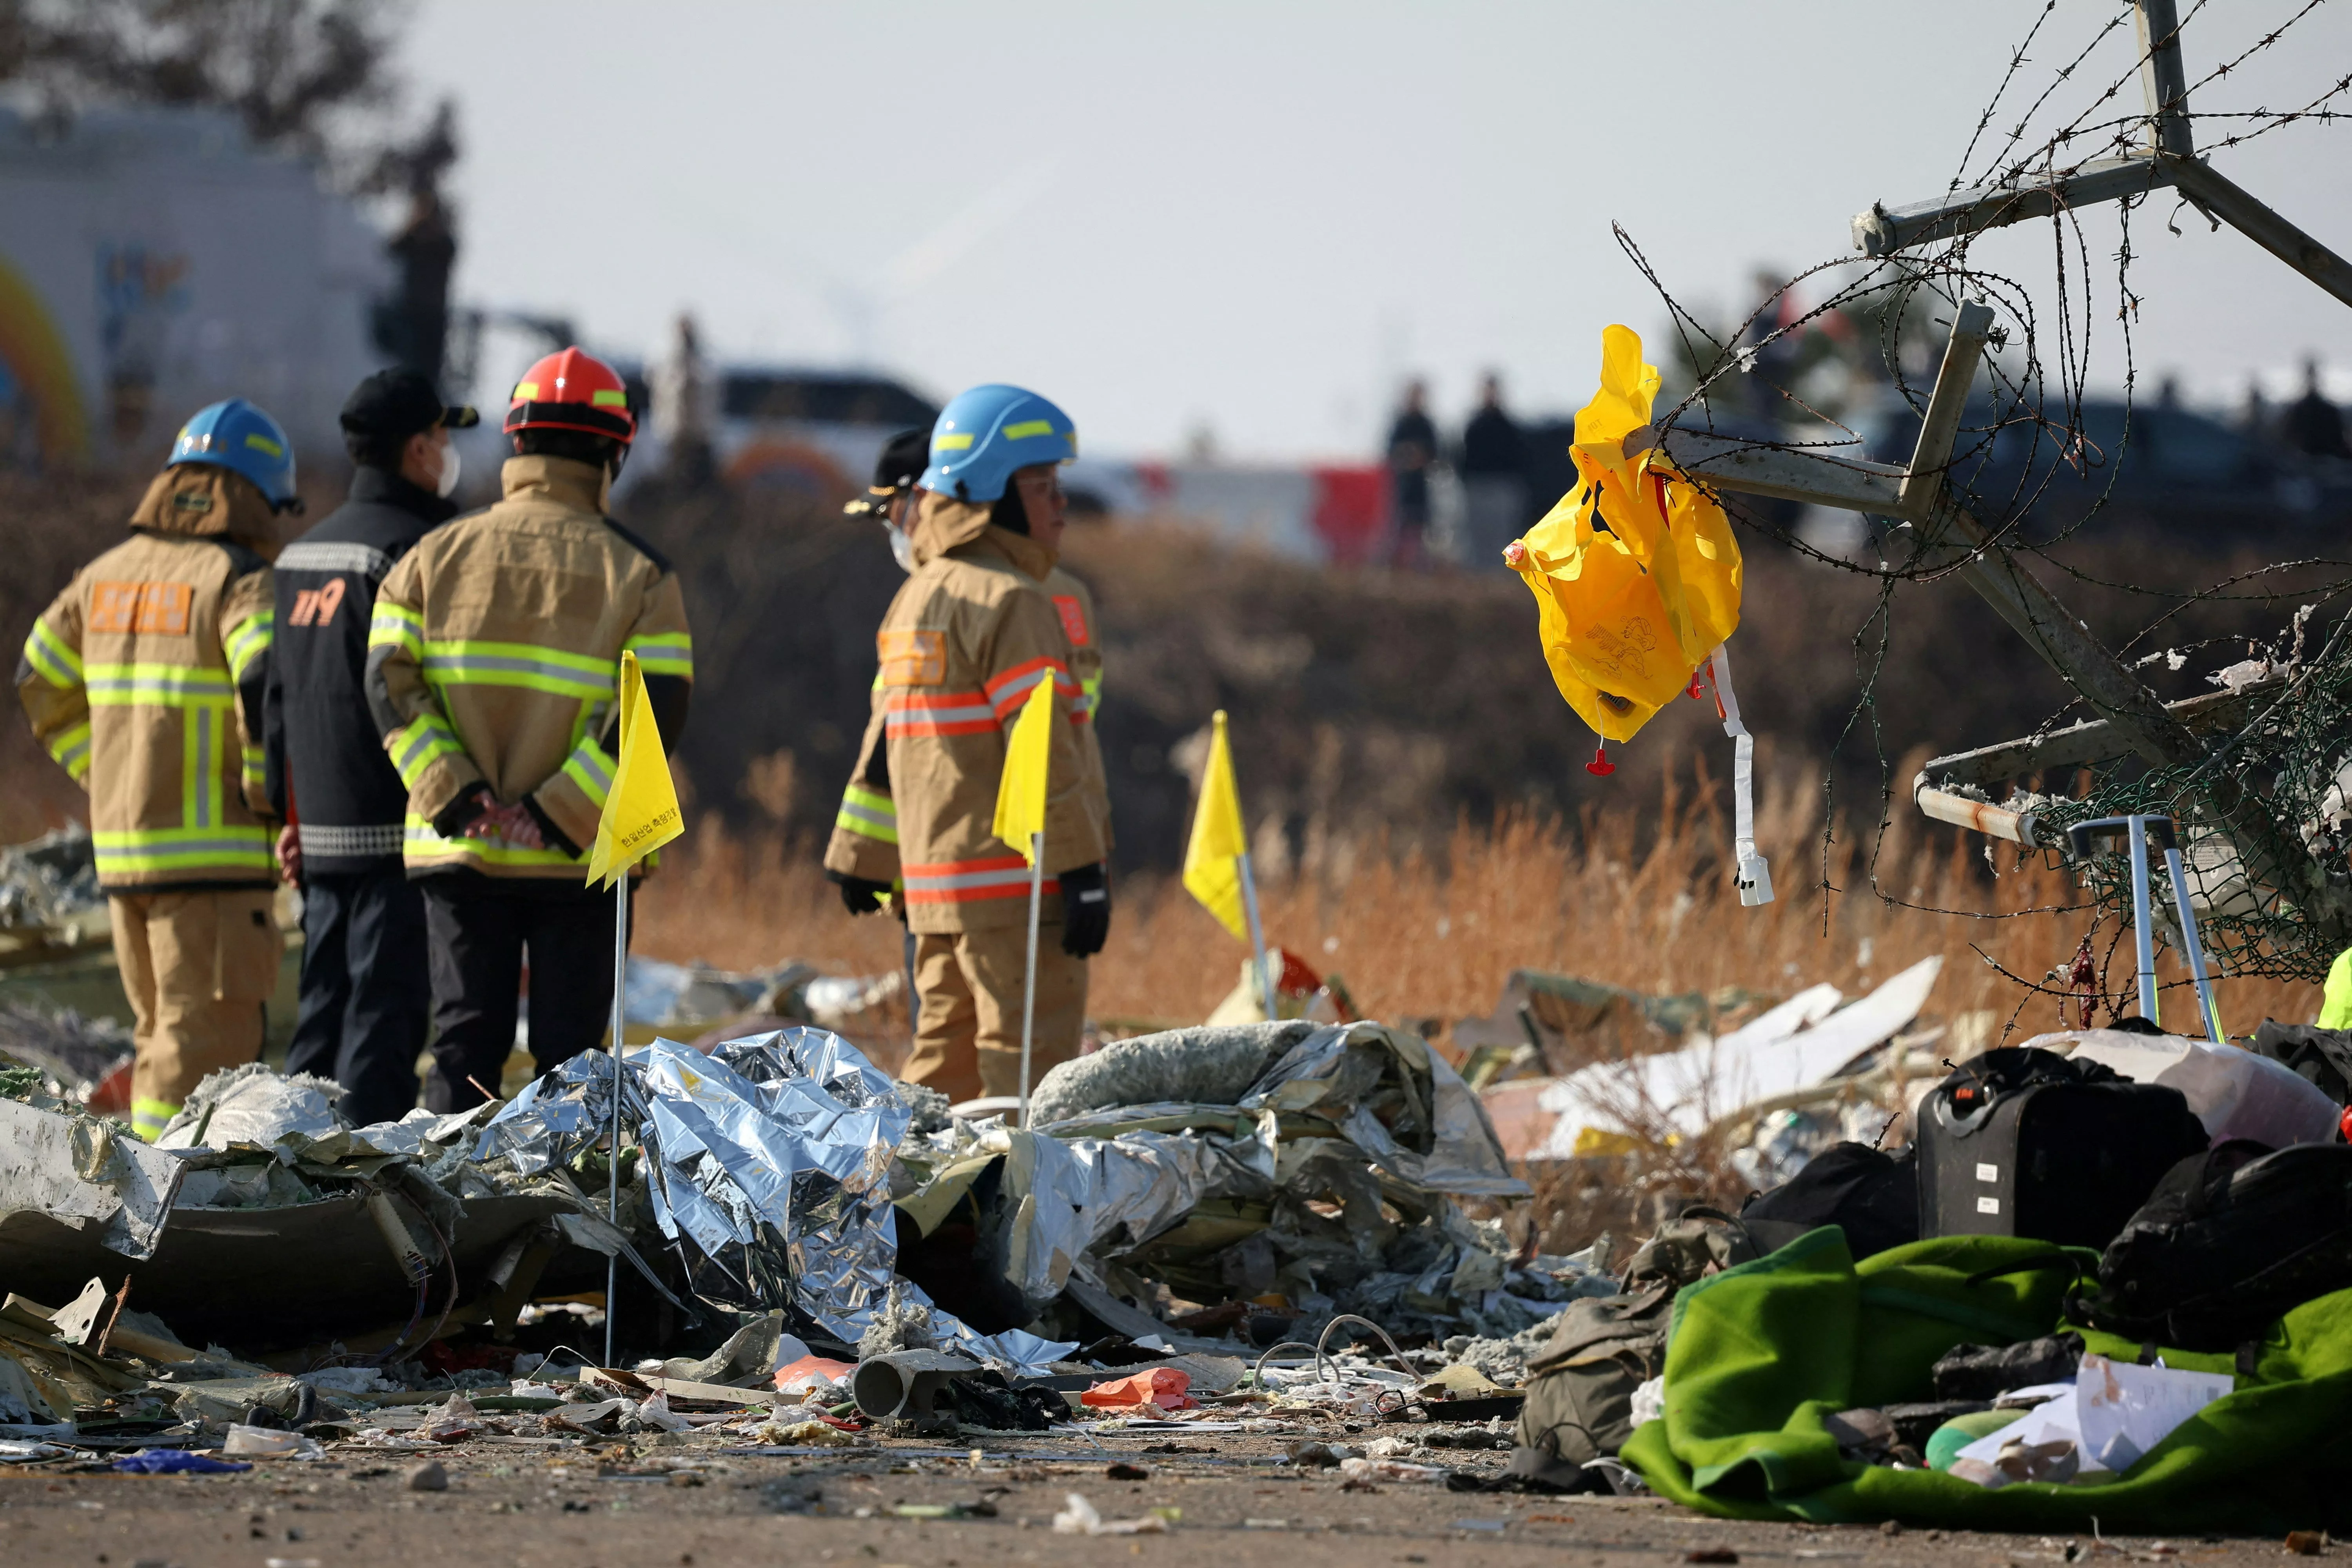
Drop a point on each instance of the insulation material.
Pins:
(1206, 1066)
(254, 1105)
(81, 1171)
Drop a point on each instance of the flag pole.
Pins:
(613, 1187)
(1029, 987)
(1257, 937)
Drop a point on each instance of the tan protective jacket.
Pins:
(965, 641)
(494, 657)
(865, 842)
(144, 679)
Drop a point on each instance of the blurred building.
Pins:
(152, 262)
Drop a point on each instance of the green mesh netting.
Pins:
(2287, 761)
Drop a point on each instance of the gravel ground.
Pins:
(649, 1505)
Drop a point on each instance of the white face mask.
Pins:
(902, 549)
(452, 465)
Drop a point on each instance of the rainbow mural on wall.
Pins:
(40, 372)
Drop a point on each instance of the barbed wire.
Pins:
(2033, 402)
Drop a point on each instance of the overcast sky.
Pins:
(1259, 217)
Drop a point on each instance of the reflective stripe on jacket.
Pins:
(144, 681)
(494, 657)
(865, 842)
(324, 752)
(970, 635)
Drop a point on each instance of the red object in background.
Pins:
(2083, 975)
(2345, 1126)
(442, 1358)
(1296, 978)
(110, 1095)
(1164, 1386)
(1351, 510)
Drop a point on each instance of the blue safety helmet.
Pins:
(990, 431)
(239, 438)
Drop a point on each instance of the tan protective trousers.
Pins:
(968, 1032)
(197, 968)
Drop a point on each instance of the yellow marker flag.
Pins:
(1213, 872)
(641, 811)
(1028, 758)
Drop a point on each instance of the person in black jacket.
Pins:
(1493, 468)
(364, 992)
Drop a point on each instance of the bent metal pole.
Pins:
(613, 1184)
(1029, 984)
(1257, 938)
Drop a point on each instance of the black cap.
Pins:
(398, 404)
(904, 458)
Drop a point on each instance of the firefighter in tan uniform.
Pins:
(144, 678)
(493, 673)
(975, 629)
(863, 855)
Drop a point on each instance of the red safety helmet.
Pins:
(569, 390)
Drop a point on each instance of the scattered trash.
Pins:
(1369, 1470)
(1318, 1455)
(1808, 1049)
(2114, 1413)
(1079, 1517)
(812, 1375)
(176, 1462)
(811, 1433)
(268, 1443)
(1162, 1388)
(684, 999)
(906, 1383)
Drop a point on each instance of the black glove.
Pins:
(858, 896)
(462, 810)
(1085, 910)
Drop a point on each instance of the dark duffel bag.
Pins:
(1870, 1194)
(2028, 1142)
(2322, 1056)
(2229, 1240)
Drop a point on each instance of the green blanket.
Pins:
(1758, 1355)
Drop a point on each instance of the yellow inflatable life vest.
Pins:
(1635, 573)
(1636, 578)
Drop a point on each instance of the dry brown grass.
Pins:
(1640, 902)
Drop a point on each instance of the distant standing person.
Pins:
(1413, 448)
(363, 1014)
(1493, 476)
(2312, 424)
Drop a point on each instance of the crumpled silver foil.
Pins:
(770, 1156)
(1083, 1192)
(562, 1114)
(1335, 1072)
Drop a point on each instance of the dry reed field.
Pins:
(1632, 898)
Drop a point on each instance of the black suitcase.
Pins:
(2028, 1142)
